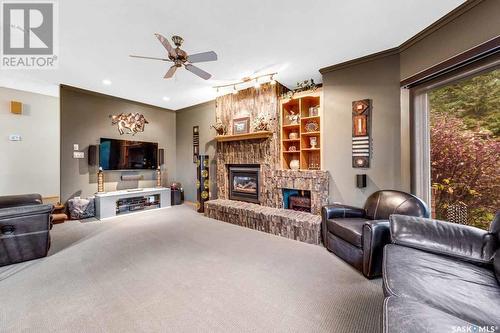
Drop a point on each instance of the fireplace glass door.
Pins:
(244, 183)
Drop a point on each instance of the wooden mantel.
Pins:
(247, 136)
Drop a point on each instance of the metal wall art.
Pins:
(196, 143)
(130, 123)
(361, 142)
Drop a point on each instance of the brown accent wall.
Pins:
(202, 115)
(474, 24)
(377, 80)
(85, 119)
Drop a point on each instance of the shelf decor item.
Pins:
(293, 135)
(312, 126)
(202, 182)
(241, 125)
(260, 123)
(295, 164)
(219, 127)
(314, 111)
(293, 118)
(292, 148)
(100, 181)
(361, 142)
(313, 141)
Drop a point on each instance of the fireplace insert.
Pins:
(244, 182)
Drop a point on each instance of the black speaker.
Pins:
(361, 181)
(92, 155)
(161, 156)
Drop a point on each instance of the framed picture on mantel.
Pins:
(241, 125)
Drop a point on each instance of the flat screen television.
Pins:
(127, 155)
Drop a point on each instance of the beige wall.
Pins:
(377, 80)
(85, 119)
(476, 26)
(202, 115)
(32, 164)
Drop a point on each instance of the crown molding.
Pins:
(358, 61)
(453, 15)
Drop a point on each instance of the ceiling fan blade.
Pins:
(202, 57)
(170, 72)
(198, 71)
(166, 44)
(153, 58)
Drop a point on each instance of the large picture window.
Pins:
(456, 144)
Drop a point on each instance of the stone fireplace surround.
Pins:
(269, 215)
(264, 152)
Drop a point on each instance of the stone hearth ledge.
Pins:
(301, 226)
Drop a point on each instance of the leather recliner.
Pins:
(358, 235)
(441, 277)
(24, 228)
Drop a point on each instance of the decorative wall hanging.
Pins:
(130, 123)
(196, 143)
(241, 125)
(202, 182)
(361, 145)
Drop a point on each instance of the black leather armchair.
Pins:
(358, 235)
(24, 228)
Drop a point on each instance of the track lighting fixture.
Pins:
(258, 81)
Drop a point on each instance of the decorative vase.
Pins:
(313, 141)
(293, 135)
(158, 177)
(294, 164)
(100, 180)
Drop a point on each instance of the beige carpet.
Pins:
(174, 270)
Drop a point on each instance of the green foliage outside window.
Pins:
(465, 147)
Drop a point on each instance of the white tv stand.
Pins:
(117, 203)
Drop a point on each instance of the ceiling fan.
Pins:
(180, 58)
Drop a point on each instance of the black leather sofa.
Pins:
(24, 228)
(358, 235)
(441, 277)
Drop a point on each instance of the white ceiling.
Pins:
(297, 38)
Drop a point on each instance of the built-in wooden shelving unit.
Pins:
(247, 136)
(309, 125)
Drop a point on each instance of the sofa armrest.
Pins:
(20, 200)
(6, 213)
(341, 211)
(376, 234)
(456, 240)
